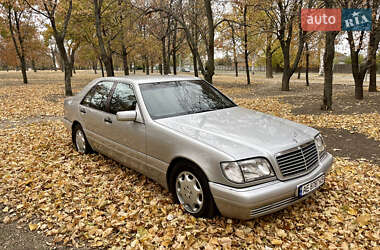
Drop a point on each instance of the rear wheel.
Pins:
(189, 187)
(80, 141)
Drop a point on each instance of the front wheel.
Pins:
(190, 188)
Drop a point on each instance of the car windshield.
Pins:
(174, 98)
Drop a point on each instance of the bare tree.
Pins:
(284, 15)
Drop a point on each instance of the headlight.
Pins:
(320, 144)
(232, 171)
(247, 170)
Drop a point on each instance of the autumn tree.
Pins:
(104, 46)
(18, 16)
(58, 14)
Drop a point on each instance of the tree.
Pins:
(105, 55)
(284, 15)
(182, 12)
(17, 15)
(328, 61)
(356, 43)
(373, 45)
(58, 14)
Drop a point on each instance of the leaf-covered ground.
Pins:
(91, 201)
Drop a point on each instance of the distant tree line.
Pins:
(161, 34)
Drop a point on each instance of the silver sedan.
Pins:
(209, 153)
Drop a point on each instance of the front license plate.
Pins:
(306, 188)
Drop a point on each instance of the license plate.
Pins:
(306, 188)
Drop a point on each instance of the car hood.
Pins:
(241, 133)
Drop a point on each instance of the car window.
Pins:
(168, 99)
(99, 98)
(87, 99)
(123, 98)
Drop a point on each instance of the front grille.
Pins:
(299, 160)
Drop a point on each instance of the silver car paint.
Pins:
(205, 139)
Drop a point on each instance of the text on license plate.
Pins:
(311, 186)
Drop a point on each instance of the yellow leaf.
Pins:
(276, 242)
(363, 219)
(33, 227)
(352, 211)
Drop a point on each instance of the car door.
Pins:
(93, 111)
(127, 137)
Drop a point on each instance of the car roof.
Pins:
(149, 79)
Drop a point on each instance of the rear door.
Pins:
(93, 110)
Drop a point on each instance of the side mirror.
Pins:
(126, 115)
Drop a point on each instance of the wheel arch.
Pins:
(174, 162)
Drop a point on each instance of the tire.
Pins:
(190, 188)
(80, 141)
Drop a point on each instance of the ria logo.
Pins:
(336, 19)
(356, 19)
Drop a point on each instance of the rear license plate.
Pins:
(306, 188)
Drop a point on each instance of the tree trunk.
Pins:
(328, 63)
(125, 60)
(168, 54)
(358, 71)
(174, 52)
(68, 90)
(66, 63)
(106, 58)
(101, 66)
(164, 56)
(372, 48)
(147, 65)
(23, 69)
(94, 67)
(174, 62)
(160, 68)
(299, 72)
(268, 58)
(34, 65)
(307, 64)
(20, 50)
(286, 75)
(53, 58)
(195, 64)
(210, 66)
(234, 49)
(246, 43)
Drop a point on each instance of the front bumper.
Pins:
(259, 200)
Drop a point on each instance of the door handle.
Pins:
(107, 120)
(82, 110)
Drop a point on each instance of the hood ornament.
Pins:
(295, 137)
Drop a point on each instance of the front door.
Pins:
(127, 137)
